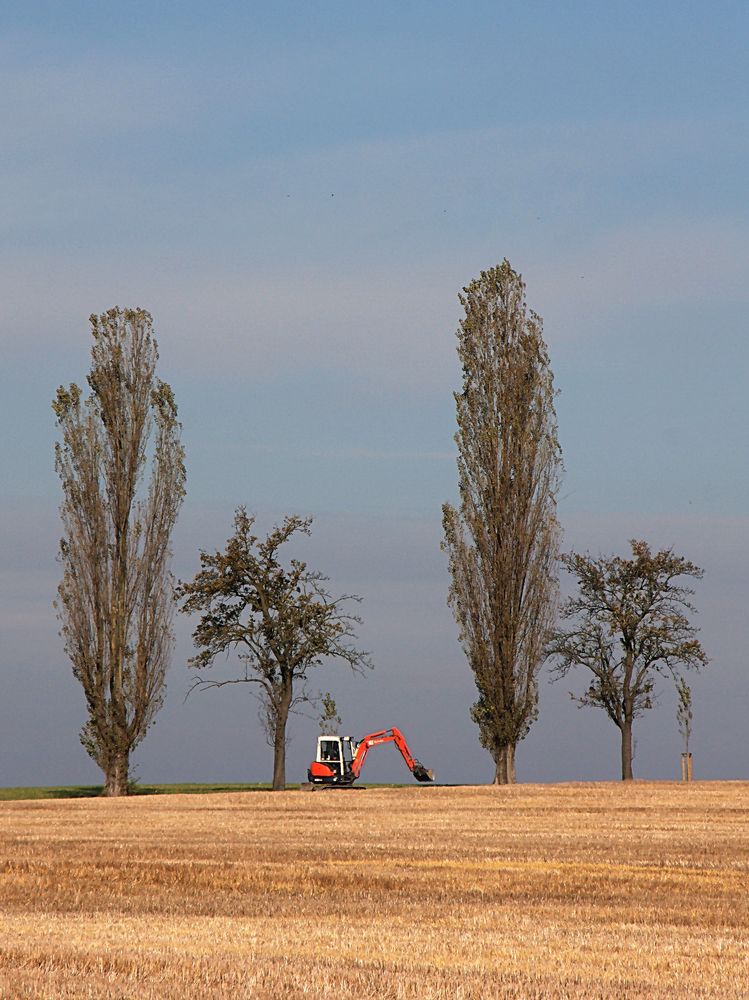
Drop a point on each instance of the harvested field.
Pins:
(563, 891)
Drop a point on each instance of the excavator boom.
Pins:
(392, 735)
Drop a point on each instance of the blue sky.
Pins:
(297, 192)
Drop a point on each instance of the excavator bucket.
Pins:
(421, 773)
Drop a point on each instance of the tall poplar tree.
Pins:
(502, 540)
(115, 598)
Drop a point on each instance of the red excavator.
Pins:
(339, 758)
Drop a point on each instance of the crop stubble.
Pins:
(560, 891)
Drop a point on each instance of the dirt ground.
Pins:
(558, 891)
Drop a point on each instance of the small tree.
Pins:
(629, 623)
(502, 541)
(329, 719)
(684, 711)
(115, 598)
(281, 621)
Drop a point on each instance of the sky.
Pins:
(297, 193)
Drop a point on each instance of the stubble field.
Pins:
(532, 892)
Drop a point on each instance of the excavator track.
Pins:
(309, 786)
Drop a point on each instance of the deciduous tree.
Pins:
(502, 539)
(115, 599)
(628, 624)
(280, 620)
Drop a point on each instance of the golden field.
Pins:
(558, 891)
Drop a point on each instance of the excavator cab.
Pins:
(332, 763)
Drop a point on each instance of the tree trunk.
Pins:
(627, 750)
(279, 761)
(505, 771)
(279, 743)
(116, 775)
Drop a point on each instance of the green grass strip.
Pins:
(92, 791)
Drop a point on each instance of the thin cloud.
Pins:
(651, 262)
(391, 325)
(274, 276)
(343, 454)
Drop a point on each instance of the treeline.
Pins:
(121, 464)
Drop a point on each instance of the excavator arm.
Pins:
(389, 736)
